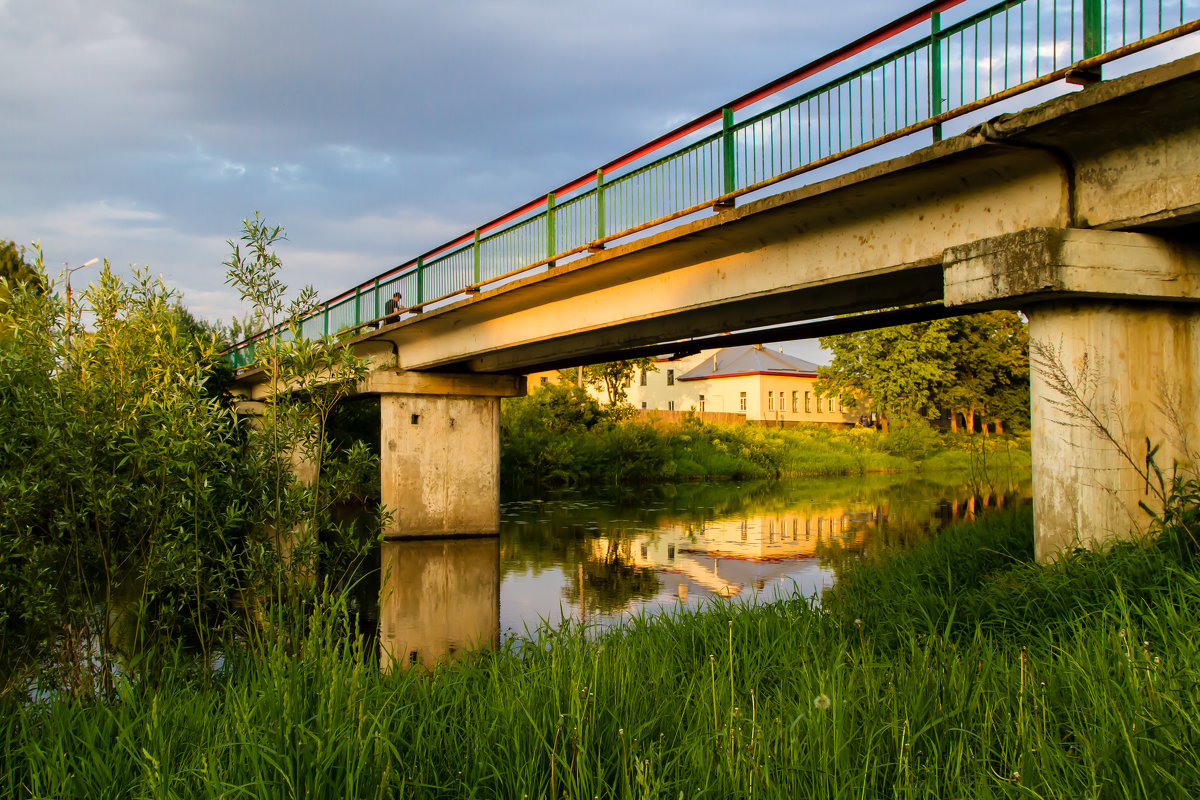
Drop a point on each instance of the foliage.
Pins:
(974, 365)
(894, 371)
(615, 376)
(15, 272)
(305, 379)
(559, 436)
(122, 485)
(869, 699)
(912, 439)
(990, 376)
(138, 515)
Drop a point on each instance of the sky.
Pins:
(144, 131)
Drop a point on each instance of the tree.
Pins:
(614, 376)
(990, 370)
(893, 372)
(15, 272)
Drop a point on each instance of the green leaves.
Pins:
(971, 365)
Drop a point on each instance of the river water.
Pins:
(599, 559)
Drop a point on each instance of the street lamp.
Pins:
(67, 272)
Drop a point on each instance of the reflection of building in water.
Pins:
(724, 557)
(437, 598)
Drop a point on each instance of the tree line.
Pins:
(972, 368)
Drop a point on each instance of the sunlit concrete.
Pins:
(440, 451)
(1114, 326)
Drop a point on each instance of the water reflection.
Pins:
(437, 599)
(602, 560)
(570, 556)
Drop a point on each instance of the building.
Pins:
(764, 386)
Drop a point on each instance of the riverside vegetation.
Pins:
(958, 669)
(172, 624)
(558, 435)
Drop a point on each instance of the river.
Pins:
(599, 559)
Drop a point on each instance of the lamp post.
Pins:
(67, 270)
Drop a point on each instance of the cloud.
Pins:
(372, 129)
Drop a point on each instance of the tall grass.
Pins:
(959, 670)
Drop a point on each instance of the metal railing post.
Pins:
(376, 314)
(478, 255)
(1093, 28)
(420, 281)
(550, 245)
(935, 71)
(728, 159)
(599, 204)
(357, 308)
(325, 321)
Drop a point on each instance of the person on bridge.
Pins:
(392, 308)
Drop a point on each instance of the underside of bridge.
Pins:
(1083, 213)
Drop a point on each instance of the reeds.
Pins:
(958, 670)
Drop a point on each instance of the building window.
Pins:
(818, 404)
(544, 379)
(701, 404)
(670, 377)
(643, 381)
(742, 401)
(796, 402)
(770, 401)
(833, 405)
(782, 407)
(808, 402)
(670, 405)
(643, 404)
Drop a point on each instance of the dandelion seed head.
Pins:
(822, 702)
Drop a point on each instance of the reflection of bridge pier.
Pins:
(437, 598)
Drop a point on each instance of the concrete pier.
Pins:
(440, 444)
(1114, 329)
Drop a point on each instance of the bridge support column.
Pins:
(1114, 328)
(440, 445)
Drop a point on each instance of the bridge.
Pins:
(1082, 212)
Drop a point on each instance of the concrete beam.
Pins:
(402, 382)
(1043, 263)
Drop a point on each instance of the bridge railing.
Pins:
(1006, 48)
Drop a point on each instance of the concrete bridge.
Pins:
(1083, 213)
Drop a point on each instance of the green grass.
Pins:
(973, 674)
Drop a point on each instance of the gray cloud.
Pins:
(144, 130)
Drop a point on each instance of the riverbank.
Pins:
(558, 436)
(957, 669)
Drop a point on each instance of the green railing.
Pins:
(992, 54)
